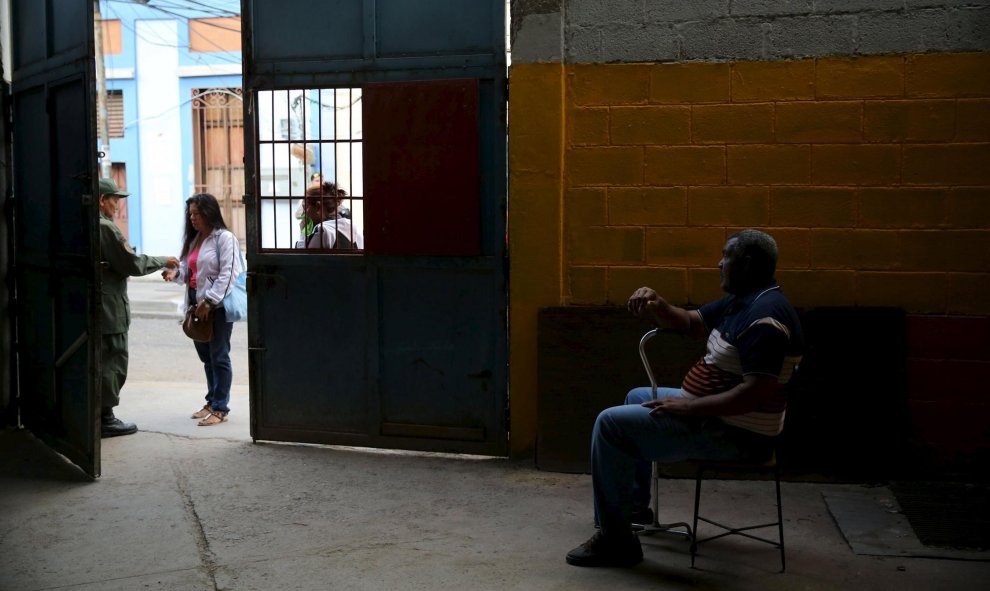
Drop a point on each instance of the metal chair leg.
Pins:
(780, 517)
(742, 531)
(697, 502)
(662, 528)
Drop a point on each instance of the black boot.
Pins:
(111, 426)
(621, 550)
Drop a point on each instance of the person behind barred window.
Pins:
(730, 405)
(118, 262)
(330, 230)
(210, 263)
(306, 224)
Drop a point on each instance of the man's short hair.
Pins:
(761, 249)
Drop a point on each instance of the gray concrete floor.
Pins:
(186, 508)
(187, 511)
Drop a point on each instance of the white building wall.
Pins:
(5, 38)
(162, 201)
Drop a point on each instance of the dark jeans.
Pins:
(215, 356)
(627, 438)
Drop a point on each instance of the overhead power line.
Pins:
(162, 43)
(192, 5)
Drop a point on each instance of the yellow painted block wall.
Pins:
(536, 140)
(873, 173)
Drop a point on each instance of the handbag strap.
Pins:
(230, 278)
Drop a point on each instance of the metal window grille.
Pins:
(115, 113)
(118, 172)
(218, 152)
(305, 137)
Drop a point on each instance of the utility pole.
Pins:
(102, 114)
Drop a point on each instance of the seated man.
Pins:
(729, 407)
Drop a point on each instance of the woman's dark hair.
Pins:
(328, 193)
(209, 210)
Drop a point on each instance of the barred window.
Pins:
(218, 151)
(115, 113)
(310, 157)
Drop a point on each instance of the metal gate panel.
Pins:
(55, 226)
(419, 172)
(436, 374)
(408, 28)
(319, 28)
(28, 49)
(414, 345)
(32, 160)
(313, 373)
(370, 39)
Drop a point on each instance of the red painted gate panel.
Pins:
(423, 197)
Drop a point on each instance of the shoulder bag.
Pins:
(235, 302)
(196, 329)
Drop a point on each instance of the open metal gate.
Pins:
(402, 344)
(55, 226)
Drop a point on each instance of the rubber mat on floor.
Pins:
(872, 522)
(947, 514)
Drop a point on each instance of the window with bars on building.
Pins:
(218, 152)
(115, 113)
(310, 157)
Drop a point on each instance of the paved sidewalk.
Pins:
(153, 297)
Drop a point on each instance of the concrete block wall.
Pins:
(857, 133)
(871, 171)
(622, 31)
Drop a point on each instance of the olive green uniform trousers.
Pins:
(118, 261)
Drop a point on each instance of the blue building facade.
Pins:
(158, 61)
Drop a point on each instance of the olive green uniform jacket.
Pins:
(118, 261)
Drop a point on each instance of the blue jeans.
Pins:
(215, 356)
(627, 438)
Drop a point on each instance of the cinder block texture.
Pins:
(811, 36)
(719, 30)
(873, 77)
(947, 75)
(651, 206)
(773, 81)
(819, 122)
(857, 132)
(865, 168)
(908, 32)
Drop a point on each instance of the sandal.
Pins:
(206, 410)
(216, 417)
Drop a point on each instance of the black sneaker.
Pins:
(606, 550)
(111, 426)
(641, 516)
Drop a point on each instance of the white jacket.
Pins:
(215, 273)
(324, 235)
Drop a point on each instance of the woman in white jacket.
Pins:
(330, 230)
(210, 263)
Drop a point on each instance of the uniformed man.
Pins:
(118, 262)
